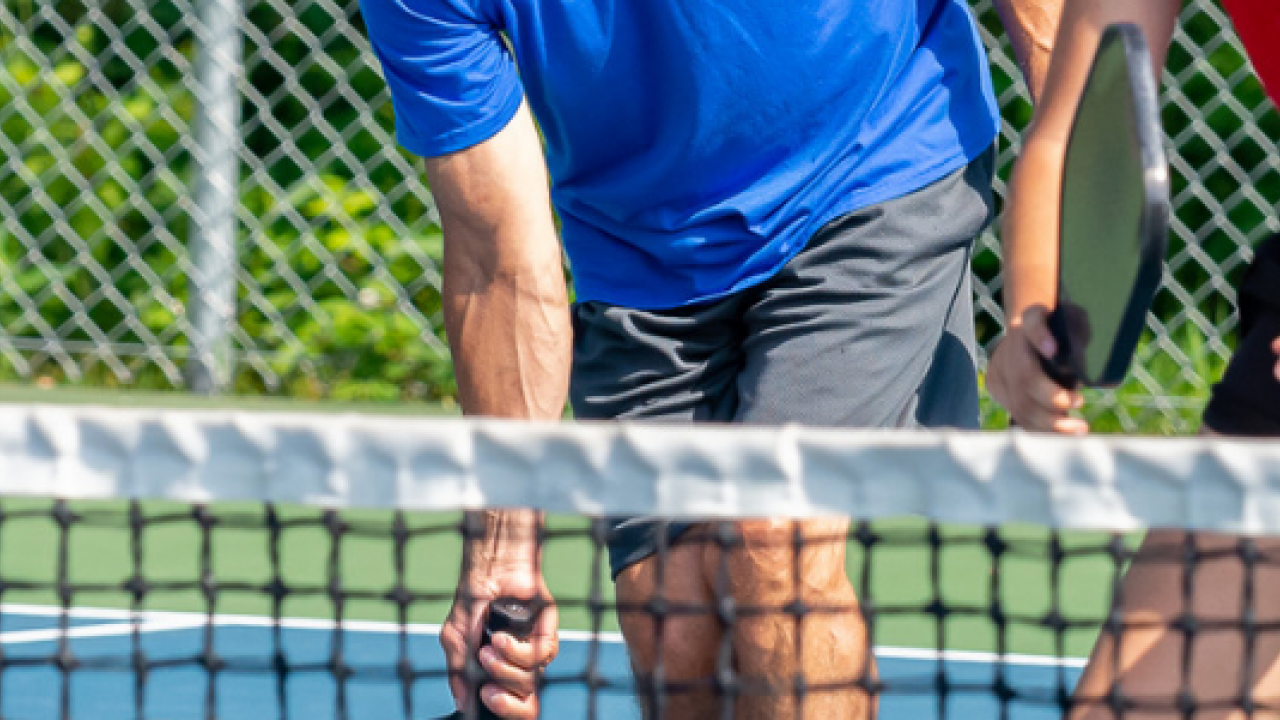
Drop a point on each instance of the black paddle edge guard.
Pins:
(1067, 367)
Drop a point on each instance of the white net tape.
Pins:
(603, 469)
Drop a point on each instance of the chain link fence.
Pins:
(208, 194)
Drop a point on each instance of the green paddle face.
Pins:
(1115, 216)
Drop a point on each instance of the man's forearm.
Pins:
(504, 297)
(1032, 26)
(505, 306)
(510, 338)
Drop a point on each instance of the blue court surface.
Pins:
(179, 692)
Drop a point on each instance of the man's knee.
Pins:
(658, 611)
(773, 560)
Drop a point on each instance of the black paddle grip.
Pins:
(1059, 368)
(1060, 374)
(511, 616)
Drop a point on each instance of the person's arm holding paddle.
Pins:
(461, 106)
(1151, 659)
(506, 311)
(1015, 375)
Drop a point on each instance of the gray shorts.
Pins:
(871, 325)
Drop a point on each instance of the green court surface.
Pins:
(921, 598)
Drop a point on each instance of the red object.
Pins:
(1258, 23)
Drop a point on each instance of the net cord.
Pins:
(356, 461)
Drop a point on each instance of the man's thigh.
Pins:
(872, 325)
(678, 365)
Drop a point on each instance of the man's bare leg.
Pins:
(1150, 663)
(674, 648)
(764, 567)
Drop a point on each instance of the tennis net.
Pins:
(205, 564)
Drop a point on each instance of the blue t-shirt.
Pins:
(695, 145)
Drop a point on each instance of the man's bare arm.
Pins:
(506, 312)
(505, 301)
(1032, 26)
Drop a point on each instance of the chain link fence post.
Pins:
(212, 292)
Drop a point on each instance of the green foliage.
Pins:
(339, 297)
(340, 256)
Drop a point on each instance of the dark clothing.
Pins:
(870, 326)
(1247, 401)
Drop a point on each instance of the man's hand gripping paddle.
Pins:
(514, 617)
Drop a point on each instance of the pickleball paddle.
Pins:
(1114, 216)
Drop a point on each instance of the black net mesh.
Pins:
(162, 610)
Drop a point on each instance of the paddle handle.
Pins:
(514, 617)
(1065, 379)
(1059, 367)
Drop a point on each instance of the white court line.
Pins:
(987, 658)
(90, 631)
(158, 621)
(222, 620)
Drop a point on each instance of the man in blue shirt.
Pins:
(768, 210)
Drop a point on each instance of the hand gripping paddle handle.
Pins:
(1059, 368)
(1058, 373)
(508, 615)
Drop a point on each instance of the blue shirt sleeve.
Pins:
(452, 80)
